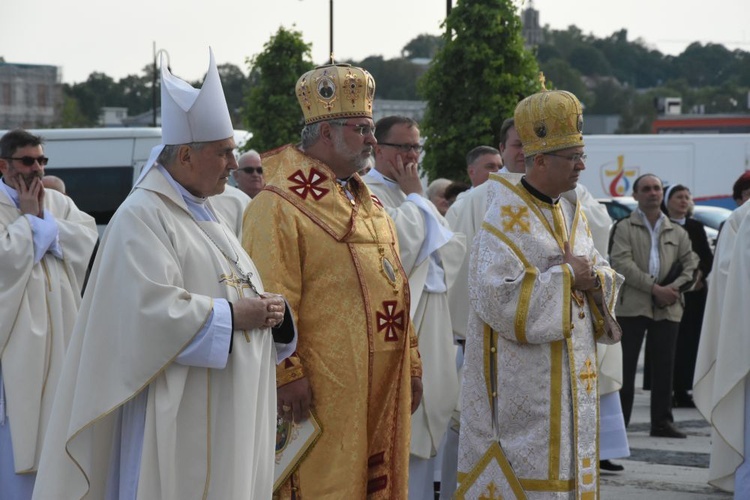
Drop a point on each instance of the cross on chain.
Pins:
(491, 493)
(239, 284)
(515, 216)
(588, 375)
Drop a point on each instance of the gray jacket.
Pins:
(631, 246)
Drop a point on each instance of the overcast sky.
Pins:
(116, 38)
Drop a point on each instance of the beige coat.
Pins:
(630, 255)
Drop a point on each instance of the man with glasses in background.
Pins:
(249, 175)
(318, 235)
(431, 254)
(46, 243)
(231, 204)
(541, 297)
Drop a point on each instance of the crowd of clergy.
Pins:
(477, 341)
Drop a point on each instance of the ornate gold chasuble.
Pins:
(529, 421)
(332, 252)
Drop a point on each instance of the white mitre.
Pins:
(189, 114)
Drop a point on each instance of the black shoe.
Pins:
(610, 466)
(683, 400)
(667, 431)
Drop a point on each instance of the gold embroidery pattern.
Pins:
(491, 493)
(515, 216)
(588, 376)
(352, 87)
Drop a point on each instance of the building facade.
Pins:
(30, 95)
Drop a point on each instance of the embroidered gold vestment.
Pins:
(529, 409)
(326, 254)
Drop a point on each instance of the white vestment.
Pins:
(466, 216)
(424, 241)
(723, 356)
(529, 403)
(40, 291)
(230, 205)
(208, 433)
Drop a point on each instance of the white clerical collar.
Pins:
(679, 221)
(388, 182)
(195, 204)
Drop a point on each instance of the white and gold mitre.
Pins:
(335, 91)
(549, 120)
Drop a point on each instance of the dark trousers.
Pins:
(661, 343)
(688, 340)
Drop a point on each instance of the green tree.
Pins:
(97, 91)
(423, 45)
(560, 75)
(474, 83)
(271, 110)
(70, 114)
(394, 78)
(704, 65)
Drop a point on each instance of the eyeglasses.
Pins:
(404, 148)
(252, 170)
(362, 129)
(575, 158)
(29, 160)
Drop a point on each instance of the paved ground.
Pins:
(663, 468)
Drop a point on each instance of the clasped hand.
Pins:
(665, 295)
(265, 311)
(585, 279)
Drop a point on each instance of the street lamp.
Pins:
(330, 28)
(153, 86)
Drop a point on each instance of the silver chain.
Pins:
(244, 276)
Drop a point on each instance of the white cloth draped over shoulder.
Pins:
(40, 291)
(207, 432)
(724, 352)
(430, 255)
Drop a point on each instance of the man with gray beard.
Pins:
(319, 235)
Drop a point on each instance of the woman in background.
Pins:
(678, 206)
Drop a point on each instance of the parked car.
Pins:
(711, 217)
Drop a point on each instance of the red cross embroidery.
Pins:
(308, 185)
(392, 321)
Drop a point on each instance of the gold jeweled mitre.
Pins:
(548, 121)
(335, 91)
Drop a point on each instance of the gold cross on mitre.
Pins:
(542, 80)
(491, 493)
(588, 375)
(239, 284)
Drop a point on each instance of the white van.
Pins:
(100, 165)
(708, 164)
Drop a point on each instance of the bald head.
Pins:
(53, 182)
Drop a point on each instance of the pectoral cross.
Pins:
(588, 375)
(491, 493)
(238, 283)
